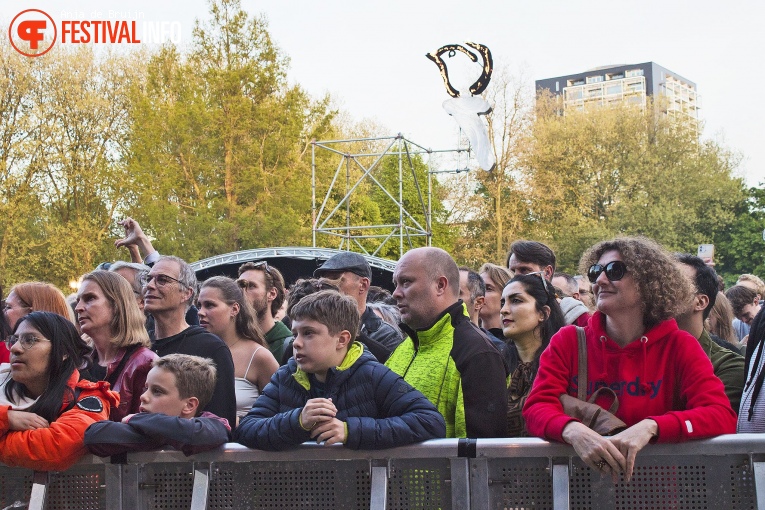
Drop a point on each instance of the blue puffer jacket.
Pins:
(380, 409)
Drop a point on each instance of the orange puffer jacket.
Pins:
(60, 445)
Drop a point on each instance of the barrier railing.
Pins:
(726, 472)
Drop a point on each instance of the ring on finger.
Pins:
(601, 464)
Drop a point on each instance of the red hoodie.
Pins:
(665, 375)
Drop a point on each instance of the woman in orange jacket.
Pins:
(44, 405)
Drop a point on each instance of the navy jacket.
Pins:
(153, 431)
(380, 409)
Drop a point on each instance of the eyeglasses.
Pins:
(160, 279)
(27, 340)
(615, 271)
(542, 276)
(262, 264)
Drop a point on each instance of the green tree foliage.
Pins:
(220, 143)
(63, 129)
(740, 248)
(625, 170)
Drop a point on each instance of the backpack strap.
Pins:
(582, 380)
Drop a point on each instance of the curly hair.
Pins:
(664, 289)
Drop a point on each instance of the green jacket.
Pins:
(278, 338)
(729, 368)
(455, 365)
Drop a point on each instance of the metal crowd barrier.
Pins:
(727, 472)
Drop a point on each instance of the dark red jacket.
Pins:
(131, 380)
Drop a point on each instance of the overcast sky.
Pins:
(370, 55)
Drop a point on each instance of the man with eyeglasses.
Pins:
(353, 275)
(728, 366)
(263, 286)
(169, 289)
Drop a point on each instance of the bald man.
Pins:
(446, 356)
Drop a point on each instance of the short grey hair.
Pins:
(186, 276)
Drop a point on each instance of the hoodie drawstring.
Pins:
(604, 368)
(644, 386)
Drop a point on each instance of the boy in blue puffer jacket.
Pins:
(334, 391)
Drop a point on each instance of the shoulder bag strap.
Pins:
(582, 381)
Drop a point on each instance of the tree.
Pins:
(490, 206)
(63, 132)
(221, 143)
(600, 173)
(740, 248)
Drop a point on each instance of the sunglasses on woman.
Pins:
(615, 271)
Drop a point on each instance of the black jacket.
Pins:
(151, 431)
(198, 341)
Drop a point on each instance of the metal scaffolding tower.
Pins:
(363, 165)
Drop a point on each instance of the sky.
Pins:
(370, 56)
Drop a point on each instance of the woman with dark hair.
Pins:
(224, 311)
(664, 381)
(44, 405)
(108, 313)
(530, 317)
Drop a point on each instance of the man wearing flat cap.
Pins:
(353, 275)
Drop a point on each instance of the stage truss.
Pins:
(354, 156)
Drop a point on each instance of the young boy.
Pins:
(334, 391)
(177, 387)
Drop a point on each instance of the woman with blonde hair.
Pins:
(495, 278)
(29, 297)
(665, 383)
(108, 313)
(720, 320)
(224, 311)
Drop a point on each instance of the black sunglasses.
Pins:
(615, 271)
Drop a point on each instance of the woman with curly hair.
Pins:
(665, 383)
(531, 315)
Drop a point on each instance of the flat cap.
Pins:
(346, 261)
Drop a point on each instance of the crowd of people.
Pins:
(144, 357)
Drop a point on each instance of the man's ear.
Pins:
(479, 302)
(364, 284)
(442, 283)
(271, 295)
(576, 296)
(190, 407)
(701, 303)
(344, 339)
(549, 272)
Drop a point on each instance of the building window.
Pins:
(557, 86)
(574, 83)
(633, 72)
(614, 89)
(614, 76)
(595, 79)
